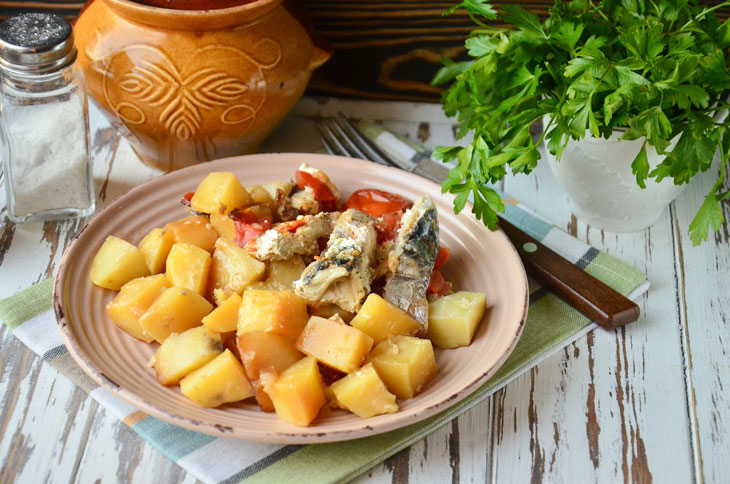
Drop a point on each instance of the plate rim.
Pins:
(266, 436)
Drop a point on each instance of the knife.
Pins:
(594, 299)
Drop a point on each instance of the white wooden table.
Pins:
(645, 403)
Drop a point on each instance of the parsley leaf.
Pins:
(655, 69)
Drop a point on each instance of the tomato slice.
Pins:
(388, 228)
(377, 202)
(248, 225)
(322, 192)
(441, 258)
(438, 284)
(186, 198)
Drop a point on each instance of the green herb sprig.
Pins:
(657, 68)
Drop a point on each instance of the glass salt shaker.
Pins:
(44, 118)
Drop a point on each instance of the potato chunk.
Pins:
(280, 312)
(364, 393)
(453, 319)
(221, 380)
(155, 246)
(220, 192)
(232, 269)
(174, 311)
(132, 301)
(117, 263)
(334, 343)
(183, 353)
(195, 230)
(298, 393)
(281, 274)
(263, 352)
(224, 318)
(224, 225)
(379, 319)
(406, 364)
(188, 266)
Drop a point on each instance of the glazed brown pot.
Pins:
(195, 85)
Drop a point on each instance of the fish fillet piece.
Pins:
(280, 243)
(343, 273)
(411, 260)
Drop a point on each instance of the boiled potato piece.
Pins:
(195, 230)
(229, 341)
(280, 312)
(261, 196)
(298, 393)
(188, 266)
(183, 353)
(132, 301)
(232, 268)
(155, 246)
(220, 192)
(174, 311)
(224, 225)
(406, 364)
(263, 352)
(364, 393)
(334, 343)
(328, 310)
(379, 319)
(453, 319)
(224, 318)
(117, 263)
(221, 380)
(281, 274)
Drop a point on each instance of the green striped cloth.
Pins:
(550, 326)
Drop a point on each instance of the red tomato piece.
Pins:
(248, 225)
(441, 258)
(322, 192)
(438, 285)
(186, 198)
(377, 202)
(290, 226)
(388, 228)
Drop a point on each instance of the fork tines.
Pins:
(341, 137)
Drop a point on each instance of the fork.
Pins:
(587, 294)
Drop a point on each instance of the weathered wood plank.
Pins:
(702, 274)
(37, 403)
(599, 409)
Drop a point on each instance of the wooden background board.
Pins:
(386, 50)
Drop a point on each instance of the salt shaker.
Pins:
(45, 127)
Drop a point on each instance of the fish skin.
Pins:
(416, 248)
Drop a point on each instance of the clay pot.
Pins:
(188, 86)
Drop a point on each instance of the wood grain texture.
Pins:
(704, 322)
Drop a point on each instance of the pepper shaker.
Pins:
(44, 121)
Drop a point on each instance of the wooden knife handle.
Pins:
(590, 296)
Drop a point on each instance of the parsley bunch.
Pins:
(658, 68)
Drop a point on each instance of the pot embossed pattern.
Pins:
(187, 86)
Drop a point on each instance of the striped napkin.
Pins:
(551, 325)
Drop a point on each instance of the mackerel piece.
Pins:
(342, 274)
(412, 260)
(280, 243)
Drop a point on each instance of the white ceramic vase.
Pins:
(596, 175)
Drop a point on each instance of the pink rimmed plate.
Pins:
(481, 260)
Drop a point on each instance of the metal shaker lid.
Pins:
(36, 43)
